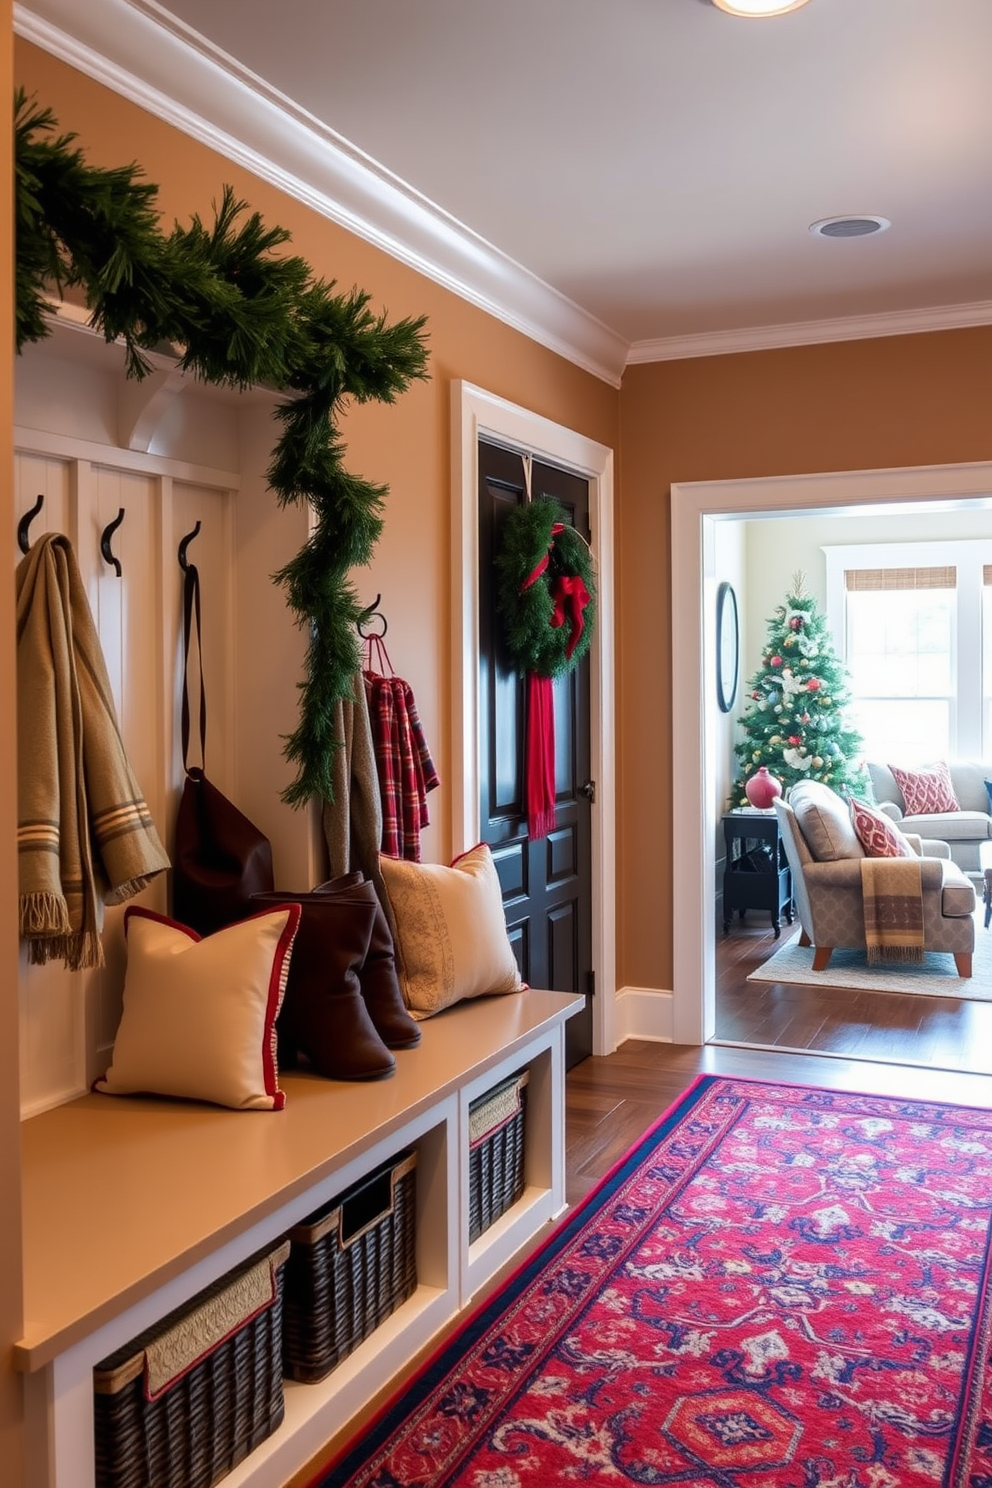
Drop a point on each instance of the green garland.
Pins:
(527, 610)
(241, 316)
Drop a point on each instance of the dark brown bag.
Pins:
(220, 858)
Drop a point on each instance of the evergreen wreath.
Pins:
(545, 631)
(238, 314)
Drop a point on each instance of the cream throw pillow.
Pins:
(451, 940)
(199, 1015)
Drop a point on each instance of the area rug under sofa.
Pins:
(779, 1287)
(935, 976)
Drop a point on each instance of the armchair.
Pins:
(824, 854)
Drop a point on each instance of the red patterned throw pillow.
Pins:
(879, 837)
(926, 792)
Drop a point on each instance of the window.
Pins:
(913, 624)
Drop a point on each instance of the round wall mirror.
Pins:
(728, 647)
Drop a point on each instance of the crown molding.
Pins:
(146, 56)
(811, 332)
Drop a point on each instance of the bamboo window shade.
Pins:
(893, 579)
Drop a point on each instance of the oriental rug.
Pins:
(935, 976)
(779, 1287)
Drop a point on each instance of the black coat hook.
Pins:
(372, 612)
(23, 540)
(105, 537)
(184, 544)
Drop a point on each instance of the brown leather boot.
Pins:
(323, 1014)
(377, 977)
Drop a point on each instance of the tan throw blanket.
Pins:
(84, 835)
(893, 907)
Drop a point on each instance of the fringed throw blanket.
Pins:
(85, 836)
(893, 906)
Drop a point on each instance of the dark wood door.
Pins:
(547, 884)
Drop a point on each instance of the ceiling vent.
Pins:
(862, 226)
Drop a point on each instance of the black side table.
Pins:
(756, 872)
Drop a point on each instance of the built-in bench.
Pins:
(133, 1206)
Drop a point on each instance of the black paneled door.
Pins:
(547, 884)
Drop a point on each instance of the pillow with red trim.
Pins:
(926, 792)
(451, 940)
(879, 836)
(200, 1014)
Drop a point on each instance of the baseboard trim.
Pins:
(644, 1013)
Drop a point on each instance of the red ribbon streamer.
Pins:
(570, 593)
(540, 774)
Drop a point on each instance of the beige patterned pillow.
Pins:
(451, 940)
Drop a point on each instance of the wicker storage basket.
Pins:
(350, 1265)
(185, 1402)
(496, 1152)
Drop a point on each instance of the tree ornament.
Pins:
(813, 684)
(776, 661)
(240, 315)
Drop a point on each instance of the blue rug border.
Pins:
(355, 1453)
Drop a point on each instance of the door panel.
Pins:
(547, 885)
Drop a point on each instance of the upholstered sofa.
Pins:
(964, 831)
(825, 853)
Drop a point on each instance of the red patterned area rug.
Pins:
(779, 1287)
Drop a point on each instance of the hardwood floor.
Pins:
(939, 1047)
(933, 1032)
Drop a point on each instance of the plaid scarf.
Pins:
(84, 835)
(893, 908)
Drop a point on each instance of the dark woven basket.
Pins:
(496, 1152)
(350, 1265)
(210, 1417)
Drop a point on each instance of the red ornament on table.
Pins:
(762, 788)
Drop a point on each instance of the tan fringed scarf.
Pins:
(84, 836)
(893, 907)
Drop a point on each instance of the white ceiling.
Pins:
(656, 162)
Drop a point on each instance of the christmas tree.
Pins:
(794, 723)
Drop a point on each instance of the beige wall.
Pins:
(10, 1150)
(906, 400)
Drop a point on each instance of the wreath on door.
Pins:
(545, 589)
(546, 603)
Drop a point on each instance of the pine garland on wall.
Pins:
(239, 314)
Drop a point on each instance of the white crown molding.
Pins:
(811, 332)
(143, 54)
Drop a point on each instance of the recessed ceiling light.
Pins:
(863, 225)
(758, 7)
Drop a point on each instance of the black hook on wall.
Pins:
(105, 537)
(23, 540)
(372, 612)
(184, 543)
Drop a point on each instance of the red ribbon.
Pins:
(570, 593)
(533, 577)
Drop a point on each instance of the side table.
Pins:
(756, 871)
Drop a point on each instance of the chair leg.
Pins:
(962, 960)
(804, 939)
(821, 957)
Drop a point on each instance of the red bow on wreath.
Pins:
(545, 597)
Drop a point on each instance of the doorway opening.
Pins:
(697, 509)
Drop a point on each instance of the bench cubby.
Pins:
(131, 1207)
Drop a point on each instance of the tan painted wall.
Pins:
(407, 445)
(906, 400)
(10, 1151)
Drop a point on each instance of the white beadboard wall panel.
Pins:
(172, 453)
(69, 1019)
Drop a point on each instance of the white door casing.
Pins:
(474, 414)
